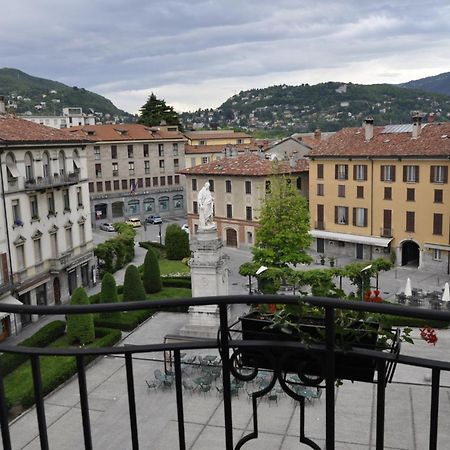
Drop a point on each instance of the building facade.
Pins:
(71, 117)
(383, 191)
(46, 212)
(133, 171)
(239, 186)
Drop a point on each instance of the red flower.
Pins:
(428, 334)
(272, 308)
(376, 292)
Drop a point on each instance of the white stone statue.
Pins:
(205, 208)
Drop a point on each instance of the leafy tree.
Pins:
(176, 243)
(152, 276)
(133, 289)
(283, 237)
(80, 327)
(108, 294)
(155, 110)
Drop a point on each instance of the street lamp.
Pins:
(362, 279)
(259, 272)
(160, 234)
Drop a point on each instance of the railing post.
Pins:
(329, 378)
(179, 390)
(381, 386)
(6, 438)
(84, 403)
(131, 400)
(435, 377)
(225, 354)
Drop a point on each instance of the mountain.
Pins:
(438, 83)
(25, 92)
(328, 106)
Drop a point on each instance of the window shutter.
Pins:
(445, 174)
(365, 217)
(335, 214)
(336, 171)
(365, 172)
(393, 173)
(405, 169)
(417, 173)
(354, 172)
(354, 217)
(431, 174)
(346, 172)
(4, 262)
(382, 173)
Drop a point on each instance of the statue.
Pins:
(205, 208)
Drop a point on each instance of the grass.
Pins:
(167, 266)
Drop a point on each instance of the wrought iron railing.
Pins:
(229, 347)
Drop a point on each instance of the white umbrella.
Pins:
(408, 290)
(446, 294)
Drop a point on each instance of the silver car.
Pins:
(107, 227)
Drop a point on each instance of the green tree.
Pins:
(283, 236)
(80, 327)
(133, 289)
(109, 295)
(155, 110)
(152, 275)
(176, 243)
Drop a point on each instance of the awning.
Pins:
(12, 169)
(354, 238)
(8, 300)
(444, 247)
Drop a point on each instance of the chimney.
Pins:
(2, 106)
(317, 134)
(368, 128)
(416, 126)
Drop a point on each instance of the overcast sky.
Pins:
(197, 53)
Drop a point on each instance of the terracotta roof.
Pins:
(245, 165)
(125, 132)
(310, 141)
(14, 130)
(216, 134)
(434, 140)
(189, 149)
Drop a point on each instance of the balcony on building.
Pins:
(54, 181)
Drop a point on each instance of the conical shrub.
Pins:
(109, 295)
(80, 327)
(133, 289)
(152, 275)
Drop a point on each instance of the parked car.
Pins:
(185, 228)
(154, 218)
(106, 227)
(134, 222)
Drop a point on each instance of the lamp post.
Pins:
(259, 272)
(160, 234)
(362, 279)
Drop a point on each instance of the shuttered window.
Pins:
(360, 172)
(411, 174)
(387, 173)
(410, 221)
(341, 172)
(360, 217)
(319, 170)
(438, 174)
(437, 224)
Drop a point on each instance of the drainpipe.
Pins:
(371, 204)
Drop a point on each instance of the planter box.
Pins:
(307, 362)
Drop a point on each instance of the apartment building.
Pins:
(71, 117)
(45, 214)
(132, 170)
(383, 191)
(239, 184)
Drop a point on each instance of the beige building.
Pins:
(239, 185)
(294, 146)
(383, 191)
(133, 171)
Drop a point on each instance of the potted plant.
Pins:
(322, 260)
(332, 260)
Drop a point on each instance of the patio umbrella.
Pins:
(446, 294)
(408, 290)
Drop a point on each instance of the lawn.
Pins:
(167, 266)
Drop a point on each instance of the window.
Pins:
(248, 187)
(437, 254)
(437, 224)
(115, 169)
(193, 162)
(149, 205)
(164, 203)
(69, 243)
(268, 187)
(438, 174)
(107, 185)
(360, 172)
(248, 213)
(133, 207)
(162, 181)
(16, 210)
(205, 159)
(148, 182)
(82, 234)
(410, 194)
(249, 237)
(97, 152)
(34, 208)
(202, 142)
(411, 174)
(98, 171)
(155, 181)
(320, 171)
(116, 185)
(229, 211)
(194, 184)
(299, 183)
(341, 215)
(161, 165)
(341, 172)
(169, 180)
(341, 190)
(320, 190)
(388, 193)
(438, 196)
(360, 217)
(177, 179)
(178, 202)
(228, 186)
(66, 200)
(99, 186)
(113, 151)
(130, 167)
(124, 185)
(79, 196)
(195, 207)
(140, 183)
(161, 150)
(91, 187)
(387, 173)
(410, 219)
(130, 150)
(37, 250)
(20, 249)
(54, 244)
(176, 163)
(359, 191)
(145, 150)
(51, 203)
(175, 149)
(211, 185)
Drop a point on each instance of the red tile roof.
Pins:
(14, 130)
(190, 149)
(434, 140)
(216, 134)
(126, 132)
(245, 165)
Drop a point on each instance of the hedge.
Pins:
(181, 282)
(133, 289)
(159, 249)
(80, 327)
(402, 321)
(152, 274)
(127, 321)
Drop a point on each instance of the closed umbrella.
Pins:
(446, 294)
(408, 290)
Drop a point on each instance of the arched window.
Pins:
(62, 162)
(11, 168)
(133, 207)
(76, 161)
(149, 205)
(29, 166)
(164, 203)
(46, 167)
(178, 202)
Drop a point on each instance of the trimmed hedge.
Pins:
(181, 282)
(401, 321)
(43, 337)
(152, 274)
(159, 249)
(127, 321)
(177, 243)
(80, 327)
(133, 289)
(109, 294)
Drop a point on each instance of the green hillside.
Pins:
(26, 91)
(438, 83)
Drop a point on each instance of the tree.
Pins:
(283, 236)
(176, 243)
(152, 276)
(80, 327)
(109, 295)
(133, 289)
(155, 110)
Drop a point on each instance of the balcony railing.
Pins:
(51, 181)
(229, 346)
(386, 232)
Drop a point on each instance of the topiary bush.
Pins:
(80, 327)
(109, 295)
(152, 275)
(133, 288)
(177, 243)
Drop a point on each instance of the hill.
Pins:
(438, 83)
(23, 92)
(328, 106)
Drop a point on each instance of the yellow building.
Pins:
(383, 190)
(239, 185)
